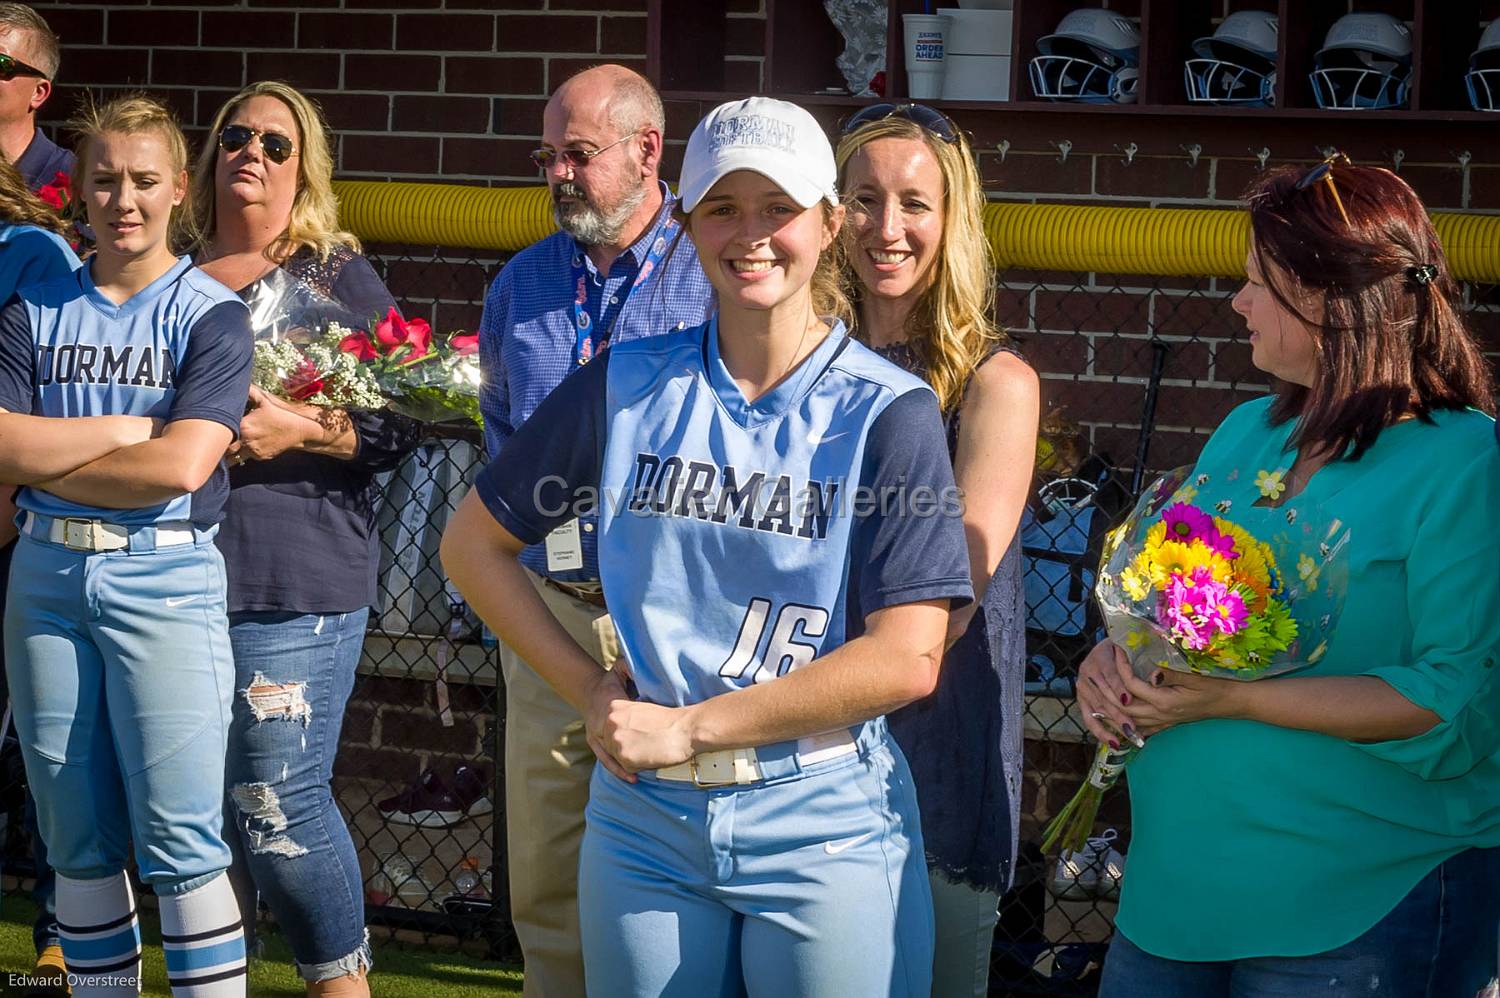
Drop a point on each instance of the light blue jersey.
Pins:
(178, 349)
(740, 540)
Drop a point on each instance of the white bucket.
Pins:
(978, 32)
(977, 77)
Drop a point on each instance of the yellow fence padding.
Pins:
(1168, 241)
(1080, 238)
(488, 218)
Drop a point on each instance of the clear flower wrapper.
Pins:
(298, 357)
(444, 389)
(1187, 589)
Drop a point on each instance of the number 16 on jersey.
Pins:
(786, 650)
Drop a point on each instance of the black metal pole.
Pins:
(1148, 414)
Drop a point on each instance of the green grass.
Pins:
(400, 971)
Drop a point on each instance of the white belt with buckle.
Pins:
(724, 768)
(78, 534)
(737, 767)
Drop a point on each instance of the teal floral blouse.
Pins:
(1252, 840)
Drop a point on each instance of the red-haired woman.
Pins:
(1336, 831)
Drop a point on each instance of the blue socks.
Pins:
(101, 940)
(203, 941)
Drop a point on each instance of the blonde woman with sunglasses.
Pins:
(299, 538)
(919, 268)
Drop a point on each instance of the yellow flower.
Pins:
(1171, 557)
(1156, 534)
(1270, 483)
(1307, 570)
(1135, 639)
(1253, 566)
(1135, 586)
(1185, 494)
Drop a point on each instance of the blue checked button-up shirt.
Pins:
(527, 337)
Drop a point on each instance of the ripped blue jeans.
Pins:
(1439, 941)
(293, 676)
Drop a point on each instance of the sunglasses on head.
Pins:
(277, 147)
(11, 67)
(932, 120)
(1323, 173)
(574, 159)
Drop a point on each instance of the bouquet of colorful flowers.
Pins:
(1185, 590)
(433, 383)
(319, 373)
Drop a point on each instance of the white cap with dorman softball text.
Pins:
(774, 138)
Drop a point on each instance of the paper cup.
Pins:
(926, 46)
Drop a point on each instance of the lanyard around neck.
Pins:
(585, 344)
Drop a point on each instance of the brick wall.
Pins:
(413, 88)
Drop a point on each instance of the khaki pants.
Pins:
(547, 768)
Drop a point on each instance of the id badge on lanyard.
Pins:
(586, 345)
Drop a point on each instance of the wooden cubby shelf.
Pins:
(687, 41)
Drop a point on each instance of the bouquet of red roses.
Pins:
(435, 383)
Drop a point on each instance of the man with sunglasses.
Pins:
(29, 57)
(621, 268)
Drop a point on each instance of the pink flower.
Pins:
(463, 344)
(360, 345)
(1197, 609)
(1188, 523)
(1222, 544)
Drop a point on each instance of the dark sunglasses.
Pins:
(11, 67)
(1323, 173)
(277, 147)
(932, 120)
(575, 159)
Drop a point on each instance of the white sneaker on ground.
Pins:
(1091, 872)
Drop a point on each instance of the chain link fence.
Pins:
(1136, 371)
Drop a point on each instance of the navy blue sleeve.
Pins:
(16, 358)
(908, 539)
(548, 471)
(214, 379)
(383, 438)
(360, 290)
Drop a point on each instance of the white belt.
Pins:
(724, 768)
(77, 534)
(737, 767)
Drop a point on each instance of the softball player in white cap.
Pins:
(780, 543)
